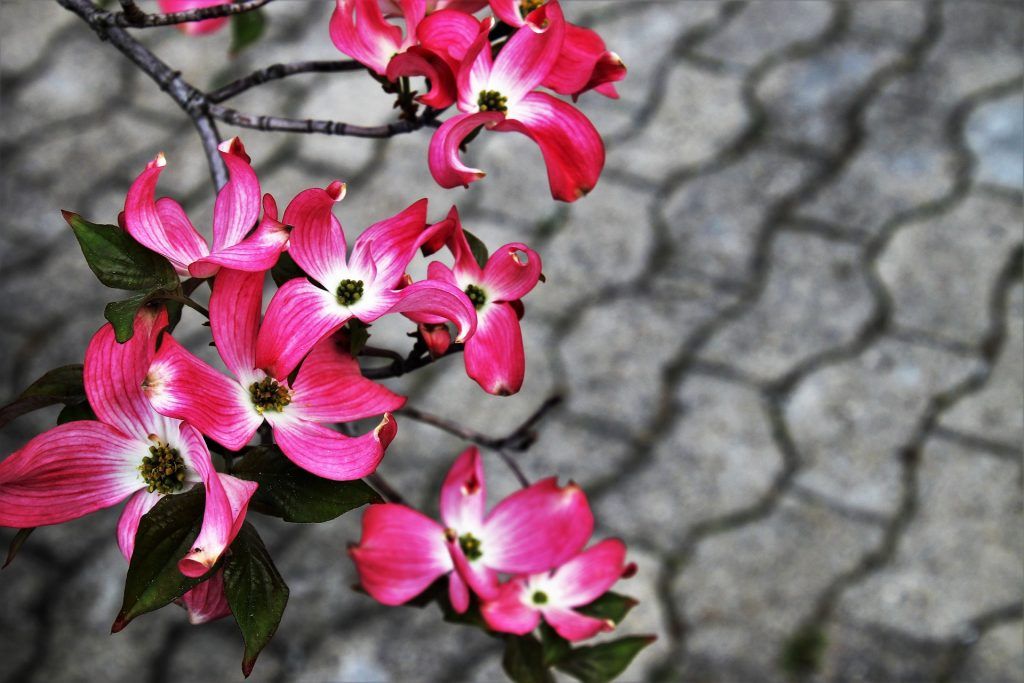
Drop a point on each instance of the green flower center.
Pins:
(477, 296)
(163, 470)
(267, 394)
(528, 6)
(470, 547)
(349, 292)
(492, 100)
(540, 597)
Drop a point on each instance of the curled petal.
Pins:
(207, 601)
(512, 271)
(583, 63)
(128, 524)
(181, 386)
(590, 574)
(256, 253)
(358, 29)
(386, 247)
(530, 54)
(331, 455)
(464, 494)
(494, 354)
(238, 202)
(466, 269)
(67, 472)
(458, 592)
(330, 387)
(474, 72)
(162, 226)
(537, 528)
(574, 626)
(608, 71)
(432, 297)
(317, 240)
(508, 12)
(418, 61)
(235, 308)
(448, 33)
(509, 612)
(572, 148)
(114, 374)
(400, 554)
(299, 315)
(445, 164)
(227, 500)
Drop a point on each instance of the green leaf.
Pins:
(478, 248)
(524, 660)
(16, 543)
(60, 385)
(285, 269)
(165, 535)
(246, 29)
(555, 647)
(121, 314)
(118, 260)
(610, 606)
(295, 495)
(76, 411)
(256, 593)
(602, 663)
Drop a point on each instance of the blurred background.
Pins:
(788, 323)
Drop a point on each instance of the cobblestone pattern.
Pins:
(789, 321)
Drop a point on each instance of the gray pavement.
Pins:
(789, 322)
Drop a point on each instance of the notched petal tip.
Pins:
(337, 190)
(234, 146)
(158, 162)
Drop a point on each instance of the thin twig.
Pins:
(133, 17)
(184, 300)
(321, 126)
(400, 366)
(384, 488)
(276, 71)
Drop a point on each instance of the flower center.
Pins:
(349, 292)
(492, 100)
(477, 296)
(267, 394)
(540, 597)
(163, 470)
(528, 6)
(470, 547)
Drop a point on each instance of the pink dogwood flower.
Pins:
(522, 602)
(498, 94)
(366, 285)
(195, 27)
(494, 355)
(360, 30)
(163, 226)
(535, 529)
(328, 388)
(129, 451)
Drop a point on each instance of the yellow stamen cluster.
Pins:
(268, 394)
(492, 100)
(163, 470)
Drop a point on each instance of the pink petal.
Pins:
(433, 297)
(227, 500)
(331, 455)
(418, 61)
(458, 592)
(437, 338)
(388, 246)
(511, 272)
(207, 601)
(299, 315)
(359, 30)
(443, 158)
(474, 73)
(448, 33)
(67, 472)
(181, 386)
(574, 626)
(401, 553)
(608, 70)
(162, 226)
(529, 55)
(589, 575)
(330, 387)
(494, 354)
(572, 148)
(581, 50)
(477, 574)
(238, 202)
(466, 269)
(256, 253)
(114, 374)
(509, 611)
(195, 27)
(508, 11)
(537, 528)
(317, 240)
(128, 524)
(235, 308)
(464, 494)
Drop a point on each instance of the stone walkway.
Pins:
(789, 322)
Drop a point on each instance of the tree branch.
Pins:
(276, 71)
(414, 361)
(133, 17)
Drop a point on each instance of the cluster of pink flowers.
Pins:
(158, 411)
